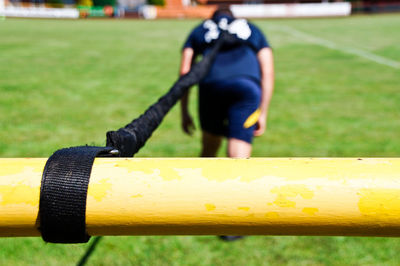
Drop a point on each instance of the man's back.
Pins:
(237, 60)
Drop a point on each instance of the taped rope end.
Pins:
(123, 141)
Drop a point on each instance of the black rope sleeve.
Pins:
(132, 137)
(63, 193)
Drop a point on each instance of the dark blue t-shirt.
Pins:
(237, 61)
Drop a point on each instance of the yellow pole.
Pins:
(279, 196)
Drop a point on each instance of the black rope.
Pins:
(89, 251)
(132, 137)
(63, 194)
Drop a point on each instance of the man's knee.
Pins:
(238, 148)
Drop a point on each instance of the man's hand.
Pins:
(187, 124)
(261, 125)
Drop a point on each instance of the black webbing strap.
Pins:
(63, 193)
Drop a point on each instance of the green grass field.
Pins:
(65, 83)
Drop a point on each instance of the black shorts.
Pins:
(230, 108)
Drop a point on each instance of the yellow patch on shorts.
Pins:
(252, 119)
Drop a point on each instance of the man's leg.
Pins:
(210, 144)
(238, 148)
(242, 117)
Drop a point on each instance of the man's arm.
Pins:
(186, 63)
(266, 61)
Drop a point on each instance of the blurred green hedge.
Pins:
(104, 2)
(156, 2)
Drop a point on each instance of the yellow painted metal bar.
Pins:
(279, 196)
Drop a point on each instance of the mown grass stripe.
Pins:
(332, 45)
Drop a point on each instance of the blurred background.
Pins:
(191, 8)
(90, 66)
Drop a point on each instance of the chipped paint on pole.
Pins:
(258, 196)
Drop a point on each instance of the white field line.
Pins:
(349, 50)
